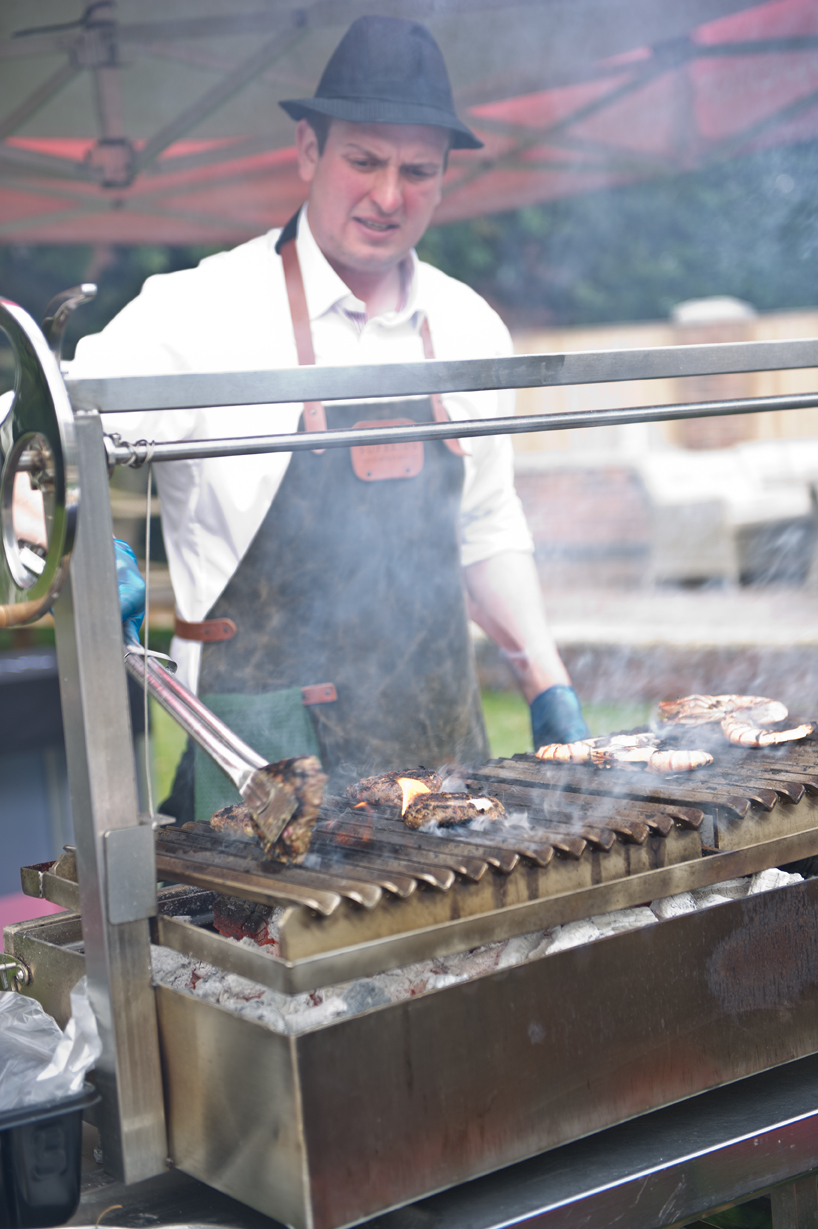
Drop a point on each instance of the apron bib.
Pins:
(353, 578)
(359, 583)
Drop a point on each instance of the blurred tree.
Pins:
(748, 227)
(33, 274)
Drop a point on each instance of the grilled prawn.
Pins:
(568, 753)
(703, 710)
(678, 761)
(744, 734)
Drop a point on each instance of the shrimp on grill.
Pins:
(745, 734)
(625, 751)
(703, 710)
(678, 761)
(568, 753)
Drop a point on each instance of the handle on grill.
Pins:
(271, 806)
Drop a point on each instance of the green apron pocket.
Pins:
(275, 724)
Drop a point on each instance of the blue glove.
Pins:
(131, 591)
(556, 717)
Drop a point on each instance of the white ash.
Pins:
(674, 906)
(764, 881)
(299, 1013)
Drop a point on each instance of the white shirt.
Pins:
(231, 314)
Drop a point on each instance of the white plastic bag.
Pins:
(38, 1062)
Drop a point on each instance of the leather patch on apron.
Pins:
(375, 462)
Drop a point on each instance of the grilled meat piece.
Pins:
(384, 789)
(301, 777)
(235, 820)
(446, 810)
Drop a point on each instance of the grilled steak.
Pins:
(235, 820)
(385, 791)
(301, 777)
(450, 809)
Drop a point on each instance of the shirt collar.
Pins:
(326, 291)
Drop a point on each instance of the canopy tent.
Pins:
(156, 121)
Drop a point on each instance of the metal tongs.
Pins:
(271, 806)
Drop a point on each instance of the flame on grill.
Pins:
(410, 788)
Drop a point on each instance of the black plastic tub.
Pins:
(40, 1155)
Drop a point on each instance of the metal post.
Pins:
(795, 1206)
(104, 803)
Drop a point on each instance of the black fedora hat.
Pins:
(386, 71)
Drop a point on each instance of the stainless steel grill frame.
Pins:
(327, 1128)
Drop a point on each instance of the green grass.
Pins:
(509, 727)
(507, 724)
(167, 744)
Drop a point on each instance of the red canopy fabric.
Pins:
(620, 110)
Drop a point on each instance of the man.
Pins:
(339, 575)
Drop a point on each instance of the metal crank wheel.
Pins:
(39, 489)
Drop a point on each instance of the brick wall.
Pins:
(585, 511)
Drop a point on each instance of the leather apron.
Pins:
(359, 583)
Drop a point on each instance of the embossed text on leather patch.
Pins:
(375, 462)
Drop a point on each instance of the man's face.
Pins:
(373, 190)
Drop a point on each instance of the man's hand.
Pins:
(504, 598)
(131, 591)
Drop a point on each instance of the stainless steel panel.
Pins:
(233, 1106)
(188, 390)
(418, 1096)
(103, 797)
(566, 1046)
(665, 1168)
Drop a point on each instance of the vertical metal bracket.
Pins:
(112, 847)
(130, 871)
(795, 1206)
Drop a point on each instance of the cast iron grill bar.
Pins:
(392, 881)
(359, 856)
(192, 869)
(357, 835)
(331, 853)
(137, 453)
(189, 390)
(791, 791)
(349, 875)
(616, 785)
(277, 875)
(504, 860)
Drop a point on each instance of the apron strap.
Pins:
(315, 418)
(438, 408)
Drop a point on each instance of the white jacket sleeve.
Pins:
(492, 517)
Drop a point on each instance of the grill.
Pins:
(336, 1124)
(371, 881)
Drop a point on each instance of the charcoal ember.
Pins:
(302, 778)
(235, 820)
(384, 789)
(446, 810)
(241, 919)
